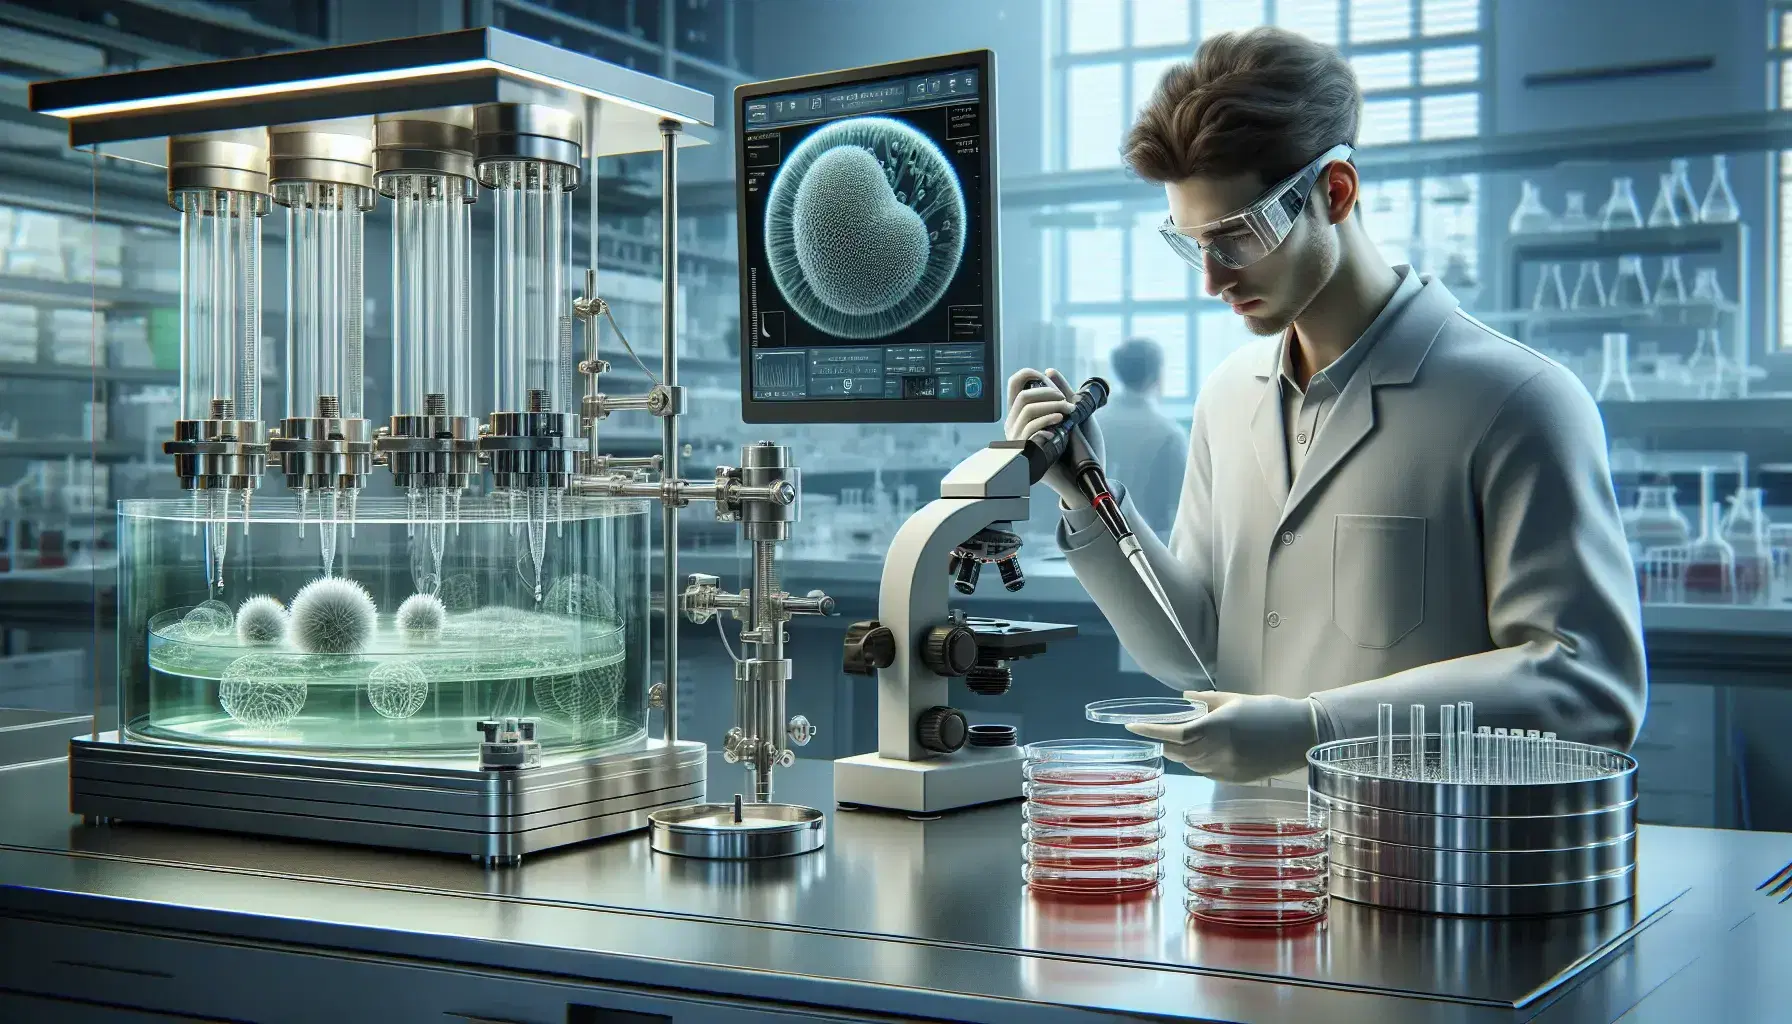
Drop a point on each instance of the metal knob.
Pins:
(800, 730)
(990, 680)
(941, 729)
(950, 650)
(868, 647)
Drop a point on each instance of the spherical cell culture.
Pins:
(208, 621)
(261, 622)
(864, 227)
(421, 617)
(259, 691)
(332, 615)
(580, 597)
(397, 689)
(581, 698)
(459, 593)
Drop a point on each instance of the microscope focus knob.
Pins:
(949, 650)
(869, 647)
(942, 729)
(991, 680)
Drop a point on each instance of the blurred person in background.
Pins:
(1155, 452)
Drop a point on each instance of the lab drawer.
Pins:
(161, 974)
(15, 1007)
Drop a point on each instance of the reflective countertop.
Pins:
(893, 900)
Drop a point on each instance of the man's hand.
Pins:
(1032, 409)
(1242, 738)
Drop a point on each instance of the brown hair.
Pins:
(1266, 100)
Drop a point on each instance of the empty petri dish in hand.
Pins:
(1136, 710)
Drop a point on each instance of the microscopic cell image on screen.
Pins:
(867, 238)
(864, 227)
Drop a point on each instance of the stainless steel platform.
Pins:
(442, 807)
(893, 919)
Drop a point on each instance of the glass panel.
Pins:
(1447, 17)
(1383, 70)
(1096, 125)
(1169, 330)
(1315, 18)
(1230, 16)
(1387, 208)
(1158, 22)
(1156, 272)
(1447, 65)
(1385, 122)
(1450, 117)
(1374, 21)
(1145, 75)
(1094, 265)
(1096, 336)
(1785, 260)
(1091, 25)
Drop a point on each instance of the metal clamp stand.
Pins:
(917, 643)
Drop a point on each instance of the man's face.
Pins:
(1271, 293)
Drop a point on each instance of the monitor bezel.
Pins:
(882, 410)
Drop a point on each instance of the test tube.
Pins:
(1484, 752)
(1552, 769)
(1446, 742)
(1465, 722)
(1500, 748)
(1384, 739)
(1533, 746)
(1416, 746)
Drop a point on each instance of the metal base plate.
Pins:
(715, 832)
(491, 815)
(973, 775)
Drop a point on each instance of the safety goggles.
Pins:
(1240, 239)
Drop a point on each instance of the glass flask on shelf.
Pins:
(1745, 530)
(1620, 212)
(1551, 293)
(1614, 368)
(1705, 288)
(1662, 213)
(1710, 370)
(1652, 527)
(1670, 287)
(1531, 215)
(1685, 206)
(1719, 206)
(1629, 290)
(1589, 287)
(1574, 213)
(1710, 561)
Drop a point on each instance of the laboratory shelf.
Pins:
(1687, 239)
(1762, 412)
(1704, 314)
(75, 371)
(80, 294)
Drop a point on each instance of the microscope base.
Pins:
(971, 776)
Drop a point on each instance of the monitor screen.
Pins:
(867, 237)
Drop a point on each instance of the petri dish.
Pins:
(1308, 873)
(1262, 828)
(1066, 773)
(1053, 795)
(1100, 816)
(1095, 751)
(1077, 882)
(1070, 858)
(1253, 907)
(1077, 838)
(1145, 710)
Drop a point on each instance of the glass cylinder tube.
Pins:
(431, 272)
(220, 304)
(533, 362)
(325, 295)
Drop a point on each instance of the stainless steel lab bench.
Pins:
(895, 920)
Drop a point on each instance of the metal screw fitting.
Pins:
(656, 696)
(800, 730)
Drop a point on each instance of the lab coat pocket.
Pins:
(1378, 577)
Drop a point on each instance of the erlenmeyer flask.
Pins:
(1710, 562)
(1589, 287)
(1719, 206)
(1745, 530)
(1614, 369)
(1709, 368)
(1530, 215)
(1670, 288)
(1550, 292)
(1658, 535)
(1574, 213)
(1629, 290)
(1663, 214)
(1685, 206)
(1620, 211)
(1705, 288)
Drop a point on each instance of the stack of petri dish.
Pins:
(1256, 863)
(1093, 815)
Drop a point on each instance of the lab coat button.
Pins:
(1300, 438)
(1274, 620)
(1287, 537)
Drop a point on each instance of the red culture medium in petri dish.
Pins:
(1108, 818)
(1052, 773)
(1062, 858)
(1092, 883)
(1071, 837)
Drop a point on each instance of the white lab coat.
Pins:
(1452, 536)
(1146, 453)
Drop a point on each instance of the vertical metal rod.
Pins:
(669, 131)
(1384, 739)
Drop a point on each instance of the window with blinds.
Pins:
(1781, 96)
(1420, 68)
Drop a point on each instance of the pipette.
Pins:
(1046, 447)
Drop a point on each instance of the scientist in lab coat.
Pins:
(1151, 461)
(1386, 501)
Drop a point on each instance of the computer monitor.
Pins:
(867, 208)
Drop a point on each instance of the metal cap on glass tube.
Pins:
(237, 161)
(431, 142)
(299, 153)
(526, 131)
